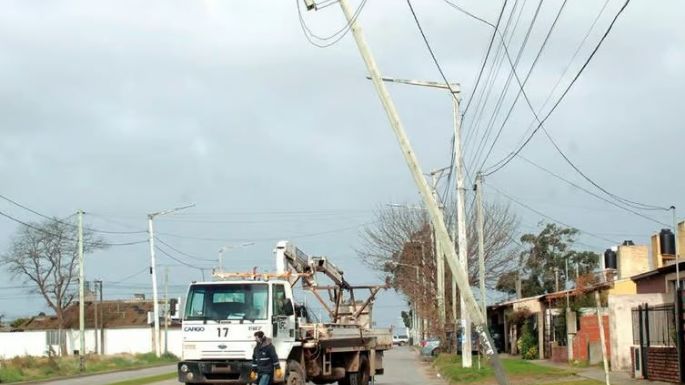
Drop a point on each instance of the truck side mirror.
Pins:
(289, 310)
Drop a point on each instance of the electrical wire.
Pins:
(183, 253)
(453, 92)
(500, 102)
(335, 37)
(487, 53)
(503, 162)
(590, 192)
(540, 213)
(161, 250)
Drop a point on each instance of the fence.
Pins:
(657, 325)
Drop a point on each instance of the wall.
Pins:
(588, 334)
(632, 260)
(560, 354)
(129, 340)
(623, 286)
(662, 364)
(138, 340)
(14, 344)
(653, 284)
(621, 328)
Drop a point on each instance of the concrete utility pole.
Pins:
(439, 256)
(602, 338)
(481, 241)
(435, 214)
(153, 271)
(677, 247)
(166, 312)
(95, 316)
(81, 296)
(466, 359)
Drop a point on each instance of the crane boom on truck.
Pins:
(221, 316)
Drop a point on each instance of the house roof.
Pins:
(116, 314)
(660, 271)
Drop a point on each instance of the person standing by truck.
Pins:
(264, 361)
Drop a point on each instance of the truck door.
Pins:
(283, 316)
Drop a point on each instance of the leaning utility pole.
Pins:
(81, 297)
(466, 360)
(436, 216)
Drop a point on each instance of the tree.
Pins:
(394, 227)
(46, 255)
(544, 259)
(400, 245)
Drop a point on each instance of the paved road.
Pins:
(402, 367)
(114, 377)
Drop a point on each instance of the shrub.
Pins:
(527, 343)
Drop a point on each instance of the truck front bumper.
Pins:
(214, 372)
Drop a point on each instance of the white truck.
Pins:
(222, 316)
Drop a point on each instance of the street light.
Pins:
(153, 270)
(228, 247)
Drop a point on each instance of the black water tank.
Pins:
(667, 242)
(628, 243)
(610, 259)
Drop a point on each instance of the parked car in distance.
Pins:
(400, 340)
(430, 348)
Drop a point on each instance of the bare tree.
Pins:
(46, 255)
(384, 241)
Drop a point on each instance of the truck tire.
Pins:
(363, 376)
(295, 374)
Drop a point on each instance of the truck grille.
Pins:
(223, 354)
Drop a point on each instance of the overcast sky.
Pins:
(123, 108)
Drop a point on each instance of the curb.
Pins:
(47, 380)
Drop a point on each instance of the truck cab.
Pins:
(219, 323)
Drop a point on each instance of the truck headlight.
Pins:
(190, 376)
(184, 368)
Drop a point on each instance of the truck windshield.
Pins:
(227, 302)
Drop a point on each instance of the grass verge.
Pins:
(157, 378)
(40, 368)
(449, 366)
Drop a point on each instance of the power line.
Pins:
(500, 102)
(540, 213)
(335, 37)
(179, 260)
(590, 192)
(487, 54)
(525, 80)
(503, 162)
(467, 13)
(636, 205)
(183, 253)
(430, 50)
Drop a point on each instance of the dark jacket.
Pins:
(264, 358)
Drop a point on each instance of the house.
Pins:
(111, 327)
(654, 345)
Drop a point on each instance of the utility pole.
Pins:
(602, 338)
(439, 256)
(435, 214)
(81, 296)
(166, 312)
(102, 322)
(153, 271)
(481, 240)
(95, 316)
(466, 360)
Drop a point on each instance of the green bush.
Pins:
(527, 343)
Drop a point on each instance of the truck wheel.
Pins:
(363, 376)
(295, 374)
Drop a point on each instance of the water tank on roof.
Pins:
(667, 242)
(628, 242)
(610, 259)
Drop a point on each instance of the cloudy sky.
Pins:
(124, 108)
